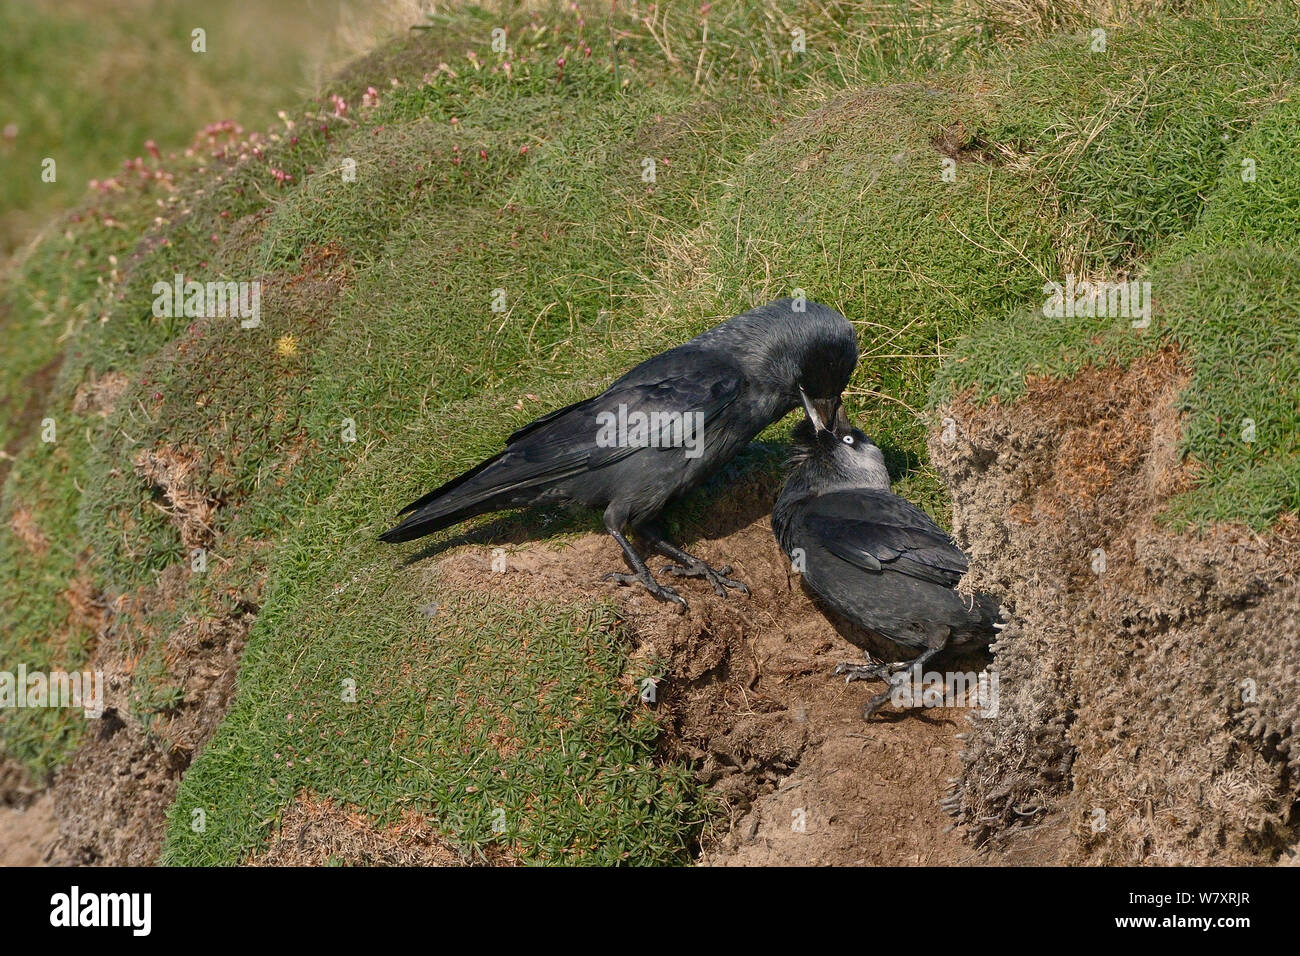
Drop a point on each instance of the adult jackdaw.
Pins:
(872, 557)
(658, 432)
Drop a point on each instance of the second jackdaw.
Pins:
(658, 432)
(873, 557)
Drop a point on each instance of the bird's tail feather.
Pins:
(449, 504)
(427, 522)
(446, 489)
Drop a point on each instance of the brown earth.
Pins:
(318, 832)
(749, 698)
(112, 797)
(28, 834)
(1152, 699)
(28, 829)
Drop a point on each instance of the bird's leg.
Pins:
(641, 574)
(689, 566)
(902, 672)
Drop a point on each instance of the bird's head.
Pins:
(838, 454)
(824, 359)
(800, 352)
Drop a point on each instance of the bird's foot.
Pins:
(659, 591)
(895, 675)
(873, 669)
(895, 680)
(852, 672)
(718, 577)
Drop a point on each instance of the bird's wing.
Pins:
(537, 423)
(564, 443)
(570, 440)
(676, 369)
(878, 531)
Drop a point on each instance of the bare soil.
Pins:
(750, 699)
(28, 834)
(318, 832)
(112, 797)
(28, 829)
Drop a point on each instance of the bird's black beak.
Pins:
(824, 413)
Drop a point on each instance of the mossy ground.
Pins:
(774, 171)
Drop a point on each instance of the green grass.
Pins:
(1150, 184)
(89, 84)
(775, 171)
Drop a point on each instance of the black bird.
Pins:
(658, 432)
(871, 556)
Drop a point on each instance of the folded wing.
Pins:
(877, 531)
(565, 443)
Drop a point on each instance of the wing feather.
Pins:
(878, 531)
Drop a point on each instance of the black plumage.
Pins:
(731, 382)
(871, 556)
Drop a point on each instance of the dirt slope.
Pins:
(1157, 690)
(749, 696)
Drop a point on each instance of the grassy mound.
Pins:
(503, 250)
(1183, 178)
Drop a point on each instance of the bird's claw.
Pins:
(894, 680)
(718, 577)
(659, 591)
(852, 672)
(885, 672)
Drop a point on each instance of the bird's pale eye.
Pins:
(848, 439)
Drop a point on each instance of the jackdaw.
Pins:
(658, 432)
(871, 556)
